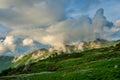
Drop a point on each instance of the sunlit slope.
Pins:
(26, 59)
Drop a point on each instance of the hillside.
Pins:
(28, 58)
(95, 64)
(33, 57)
(41, 54)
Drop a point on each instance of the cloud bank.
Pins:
(46, 22)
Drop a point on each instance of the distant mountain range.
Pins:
(5, 62)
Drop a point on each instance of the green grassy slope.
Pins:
(96, 64)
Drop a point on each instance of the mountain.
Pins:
(42, 54)
(5, 62)
(93, 64)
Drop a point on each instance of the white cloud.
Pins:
(117, 23)
(66, 31)
(3, 49)
(8, 45)
(24, 13)
(82, 29)
(28, 42)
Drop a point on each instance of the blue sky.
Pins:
(89, 7)
(33, 24)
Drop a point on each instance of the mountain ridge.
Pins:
(86, 65)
